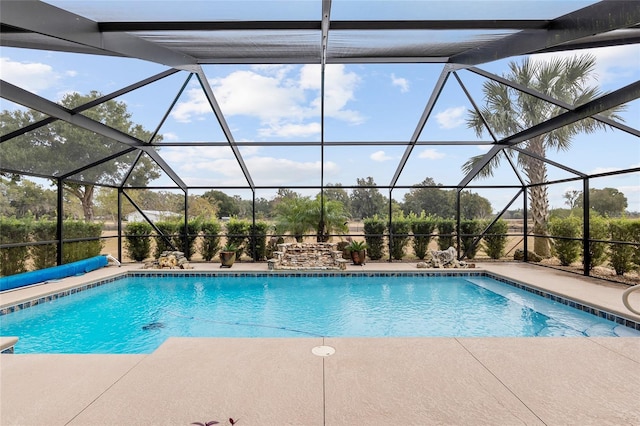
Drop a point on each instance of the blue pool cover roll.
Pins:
(53, 273)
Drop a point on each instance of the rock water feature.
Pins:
(169, 260)
(444, 259)
(307, 256)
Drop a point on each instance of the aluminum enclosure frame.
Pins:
(22, 25)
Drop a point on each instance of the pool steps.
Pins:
(7, 343)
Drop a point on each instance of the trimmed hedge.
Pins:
(79, 250)
(446, 229)
(597, 231)
(237, 234)
(138, 240)
(13, 259)
(169, 230)
(188, 241)
(44, 255)
(469, 228)
(622, 255)
(567, 249)
(495, 239)
(257, 244)
(374, 228)
(210, 239)
(422, 228)
(400, 228)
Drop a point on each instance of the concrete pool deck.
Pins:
(415, 381)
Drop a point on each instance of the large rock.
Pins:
(170, 260)
(531, 256)
(443, 259)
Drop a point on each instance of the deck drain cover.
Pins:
(323, 351)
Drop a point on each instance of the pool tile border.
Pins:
(527, 287)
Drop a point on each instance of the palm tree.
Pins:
(292, 216)
(333, 219)
(508, 111)
(301, 215)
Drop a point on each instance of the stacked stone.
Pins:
(317, 256)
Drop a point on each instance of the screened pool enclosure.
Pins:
(523, 114)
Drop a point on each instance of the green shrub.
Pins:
(635, 237)
(237, 234)
(621, 254)
(566, 249)
(78, 250)
(210, 239)
(188, 242)
(138, 240)
(13, 259)
(597, 231)
(399, 234)
(446, 228)
(258, 240)
(422, 227)
(44, 255)
(169, 238)
(495, 239)
(469, 228)
(374, 228)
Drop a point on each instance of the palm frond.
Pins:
(488, 170)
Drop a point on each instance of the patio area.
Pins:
(417, 381)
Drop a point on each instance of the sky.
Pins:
(363, 102)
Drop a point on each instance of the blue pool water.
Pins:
(136, 314)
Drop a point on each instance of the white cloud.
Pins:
(282, 97)
(195, 105)
(170, 136)
(402, 83)
(190, 156)
(451, 117)
(34, 77)
(290, 130)
(268, 171)
(599, 170)
(380, 156)
(339, 89)
(431, 154)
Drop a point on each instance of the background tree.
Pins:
(571, 198)
(162, 201)
(335, 192)
(367, 201)
(227, 205)
(263, 208)
(474, 206)
(607, 202)
(508, 111)
(201, 207)
(106, 204)
(23, 197)
(429, 197)
(60, 147)
(432, 200)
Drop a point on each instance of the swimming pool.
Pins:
(135, 314)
